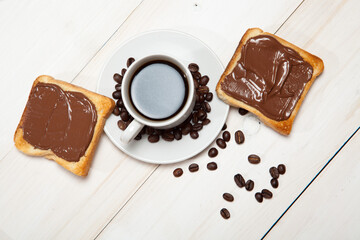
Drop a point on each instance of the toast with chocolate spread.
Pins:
(269, 77)
(62, 122)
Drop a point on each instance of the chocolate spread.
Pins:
(59, 120)
(269, 77)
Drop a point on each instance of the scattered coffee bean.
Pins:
(266, 194)
(153, 138)
(197, 106)
(281, 168)
(249, 185)
(243, 111)
(239, 137)
(195, 118)
(186, 129)
(274, 172)
(120, 103)
(193, 167)
(196, 75)
(205, 122)
(116, 94)
(221, 143)
(124, 116)
(201, 115)
(274, 182)
(226, 136)
(224, 127)
(209, 96)
(177, 134)
(168, 136)
(130, 61)
(178, 172)
(207, 107)
(118, 78)
(212, 166)
(213, 152)
(123, 71)
(204, 80)
(228, 197)
(258, 197)
(254, 159)
(116, 111)
(201, 98)
(239, 180)
(194, 134)
(197, 127)
(193, 67)
(225, 213)
(118, 87)
(122, 125)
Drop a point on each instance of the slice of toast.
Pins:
(284, 126)
(103, 106)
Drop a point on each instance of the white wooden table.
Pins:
(123, 198)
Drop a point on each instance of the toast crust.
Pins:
(104, 107)
(283, 127)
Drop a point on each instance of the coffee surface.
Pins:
(269, 77)
(158, 90)
(59, 120)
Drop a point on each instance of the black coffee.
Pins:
(158, 90)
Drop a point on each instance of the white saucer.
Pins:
(185, 48)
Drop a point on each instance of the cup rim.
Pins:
(129, 106)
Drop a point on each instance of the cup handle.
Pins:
(131, 131)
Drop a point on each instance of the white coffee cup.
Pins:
(140, 120)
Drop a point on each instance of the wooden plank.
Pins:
(188, 207)
(45, 201)
(49, 37)
(329, 208)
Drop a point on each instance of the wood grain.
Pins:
(329, 209)
(188, 207)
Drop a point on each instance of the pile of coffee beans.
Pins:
(275, 173)
(192, 125)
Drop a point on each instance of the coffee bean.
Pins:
(239, 180)
(243, 111)
(221, 143)
(123, 71)
(274, 183)
(213, 152)
(209, 97)
(178, 172)
(194, 134)
(122, 125)
(211, 166)
(153, 138)
(167, 136)
(249, 185)
(193, 167)
(124, 116)
(149, 130)
(207, 107)
(204, 80)
(197, 127)
(254, 159)
(226, 136)
(138, 137)
(258, 197)
(205, 122)
(225, 213)
(266, 194)
(228, 197)
(177, 134)
(197, 106)
(118, 78)
(186, 129)
(274, 172)
(201, 115)
(193, 67)
(196, 84)
(195, 118)
(118, 87)
(196, 75)
(116, 94)
(203, 89)
(239, 137)
(116, 111)
(120, 103)
(130, 61)
(224, 127)
(201, 98)
(281, 168)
